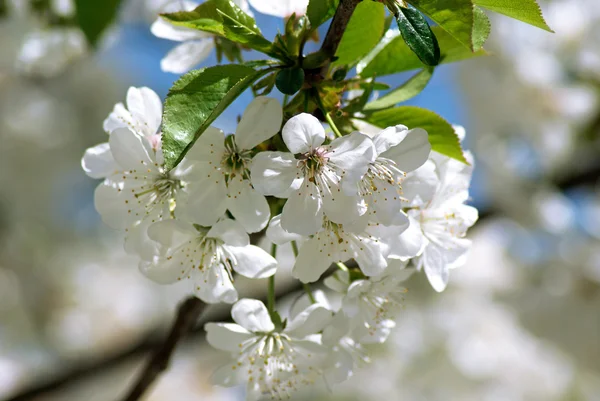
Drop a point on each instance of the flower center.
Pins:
(381, 171)
(235, 161)
(313, 163)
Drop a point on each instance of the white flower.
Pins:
(48, 52)
(196, 45)
(439, 223)
(224, 167)
(312, 180)
(370, 305)
(272, 361)
(398, 151)
(139, 191)
(207, 257)
(338, 243)
(143, 115)
(280, 8)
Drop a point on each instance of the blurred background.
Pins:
(521, 321)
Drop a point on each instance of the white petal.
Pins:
(407, 243)
(110, 203)
(370, 256)
(280, 8)
(252, 261)
(98, 162)
(338, 327)
(386, 204)
(310, 321)
(277, 235)
(172, 233)
(352, 153)
(225, 376)
(130, 151)
(338, 281)
(163, 29)
(252, 315)
(274, 173)
(163, 270)
(210, 147)
(304, 301)
(340, 369)
(435, 267)
(261, 120)
(137, 241)
(341, 208)
(389, 137)
(226, 336)
(303, 211)
(186, 56)
(412, 152)
(230, 232)
(118, 118)
(213, 285)
(247, 206)
(311, 263)
(206, 201)
(419, 185)
(302, 133)
(146, 108)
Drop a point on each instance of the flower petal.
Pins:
(370, 256)
(118, 118)
(171, 233)
(226, 336)
(186, 56)
(252, 315)
(98, 162)
(303, 211)
(210, 147)
(274, 173)
(206, 201)
(386, 204)
(146, 108)
(252, 261)
(389, 137)
(213, 285)
(341, 208)
(230, 232)
(311, 263)
(352, 153)
(164, 29)
(110, 203)
(302, 133)
(277, 235)
(412, 152)
(261, 120)
(310, 321)
(435, 267)
(130, 151)
(406, 243)
(247, 206)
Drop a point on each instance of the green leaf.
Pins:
(290, 80)
(524, 10)
(408, 90)
(319, 11)
(481, 28)
(362, 34)
(454, 16)
(442, 137)
(195, 101)
(394, 55)
(224, 18)
(93, 18)
(418, 35)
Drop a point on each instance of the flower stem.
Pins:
(271, 284)
(306, 286)
(335, 129)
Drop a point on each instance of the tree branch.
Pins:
(336, 29)
(187, 316)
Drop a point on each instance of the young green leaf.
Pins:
(524, 10)
(195, 101)
(94, 18)
(454, 16)
(408, 90)
(395, 56)
(319, 11)
(481, 28)
(290, 80)
(442, 137)
(418, 35)
(362, 34)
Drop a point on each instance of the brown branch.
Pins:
(336, 29)
(187, 316)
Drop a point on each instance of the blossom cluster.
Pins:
(377, 207)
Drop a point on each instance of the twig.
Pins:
(187, 316)
(336, 29)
